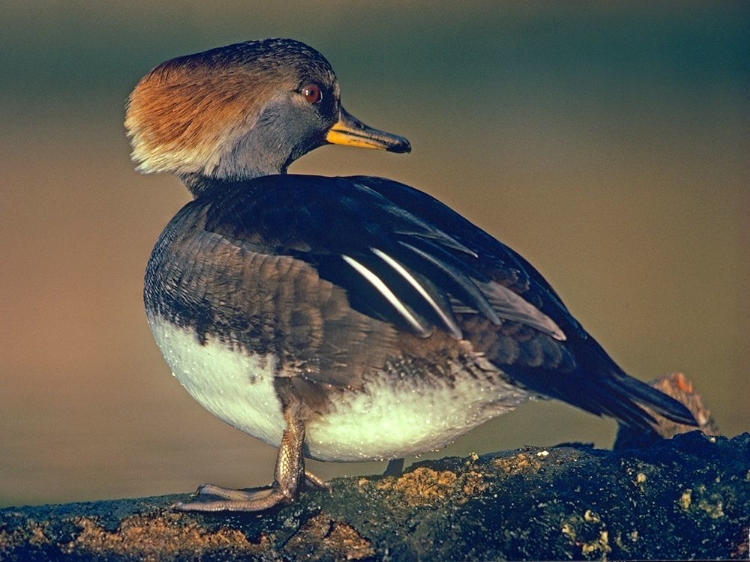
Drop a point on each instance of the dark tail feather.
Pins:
(582, 374)
(617, 395)
(635, 394)
(611, 393)
(608, 390)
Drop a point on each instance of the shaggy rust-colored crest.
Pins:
(181, 114)
(189, 110)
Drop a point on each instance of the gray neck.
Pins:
(252, 156)
(198, 184)
(281, 134)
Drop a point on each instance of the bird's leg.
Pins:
(290, 476)
(395, 466)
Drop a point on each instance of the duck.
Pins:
(337, 318)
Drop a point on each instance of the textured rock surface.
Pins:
(684, 498)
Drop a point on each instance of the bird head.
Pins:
(242, 111)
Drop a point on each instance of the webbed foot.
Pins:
(215, 498)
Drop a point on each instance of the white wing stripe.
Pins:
(383, 289)
(447, 320)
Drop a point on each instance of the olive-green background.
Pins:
(607, 142)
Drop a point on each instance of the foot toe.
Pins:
(212, 498)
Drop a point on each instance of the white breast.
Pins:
(233, 385)
(389, 418)
(397, 419)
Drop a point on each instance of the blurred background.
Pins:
(606, 142)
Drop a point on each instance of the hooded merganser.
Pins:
(339, 318)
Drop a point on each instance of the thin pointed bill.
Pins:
(350, 131)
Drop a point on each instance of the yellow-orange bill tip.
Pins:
(350, 131)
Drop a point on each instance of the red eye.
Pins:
(311, 93)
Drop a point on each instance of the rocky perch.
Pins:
(684, 498)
